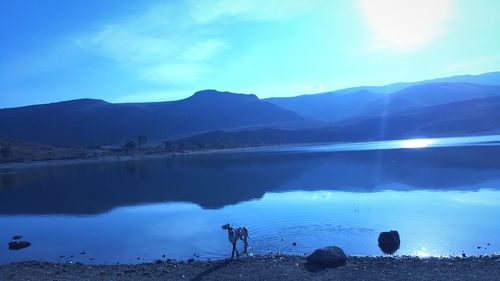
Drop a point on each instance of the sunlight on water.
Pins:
(416, 143)
(391, 144)
(422, 253)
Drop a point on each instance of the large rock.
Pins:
(327, 257)
(389, 241)
(18, 245)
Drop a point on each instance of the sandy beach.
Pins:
(267, 267)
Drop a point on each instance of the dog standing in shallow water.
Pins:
(235, 234)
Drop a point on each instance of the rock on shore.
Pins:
(327, 257)
(18, 245)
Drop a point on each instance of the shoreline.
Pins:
(138, 156)
(114, 158)
(266, 267)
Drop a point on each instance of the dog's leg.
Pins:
(234, 249)
(245, 243)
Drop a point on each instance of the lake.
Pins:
(442, 195)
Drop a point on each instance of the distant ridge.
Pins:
(434, 107)
(336, 105)
(90, 121)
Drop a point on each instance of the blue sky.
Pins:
(125, 51)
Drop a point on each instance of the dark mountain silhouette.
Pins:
(89, 121)
(462, 118)
(331, 106)
(439, 107)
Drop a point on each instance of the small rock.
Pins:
(18, 245)
(327, 257)
(82, 253)
(479, 247)
(464, 255)
(17, 237)
(295, 244)
(190, 260)
(163, 256)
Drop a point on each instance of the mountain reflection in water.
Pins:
(213, 181)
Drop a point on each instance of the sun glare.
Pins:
(404, 24)
(416, 143)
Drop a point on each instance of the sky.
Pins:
(139, 51)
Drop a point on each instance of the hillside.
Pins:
(423, 96)
(14, 151)
(462, 118)
(341, 104)
(86, 121)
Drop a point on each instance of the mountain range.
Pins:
(458, 105)
(331, 106)
(87, 121)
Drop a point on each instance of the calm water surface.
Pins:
(443, 200)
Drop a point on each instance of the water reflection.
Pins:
(122, 211)
(214, 181)
(426, 221)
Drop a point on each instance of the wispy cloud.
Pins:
(168, 43)
(203, 50)
(485, 64)
(207, 11)
(153, 96)
(156, 45)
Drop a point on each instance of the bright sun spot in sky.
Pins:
(416, 143)
(405, 24)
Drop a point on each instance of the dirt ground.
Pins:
(268, 267)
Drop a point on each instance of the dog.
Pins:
(235, 234)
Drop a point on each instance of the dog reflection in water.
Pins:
(235, 234)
